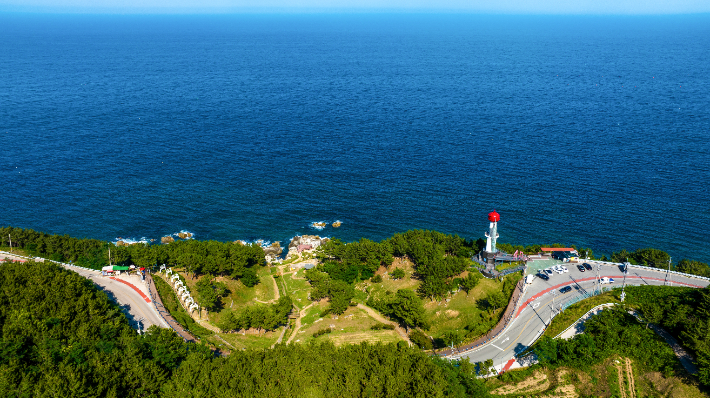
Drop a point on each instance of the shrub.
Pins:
(322, 332)
(420, 339)
(376, 279)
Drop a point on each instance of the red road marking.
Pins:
(535, 297)
(147, 300)
(508, 365)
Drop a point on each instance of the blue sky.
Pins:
(467, 6)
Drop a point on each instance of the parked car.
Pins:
(548, 271)
(580, 267)
(587, 266)
(558, 270)
(563, 268)
(606, 280)
(565, 289)
(624, 267)
(543, 276)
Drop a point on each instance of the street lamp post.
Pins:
(10, 237)
(668, 273)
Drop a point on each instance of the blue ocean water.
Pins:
(579, 130)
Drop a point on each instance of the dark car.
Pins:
(580, 267)
(587, 266)
(623, 267)
(542, 275)
(565, 289)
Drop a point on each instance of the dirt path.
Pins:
(297, 325)
(622, 388)
(402, 333)
(630, 376)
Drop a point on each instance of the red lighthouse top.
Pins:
(493, 216)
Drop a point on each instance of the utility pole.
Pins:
(10, 237)
(599, 266)
(668, 273)
(623, 285)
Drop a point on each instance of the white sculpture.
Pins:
(176, 276)
(169, 271)
(181, 289)
(162, 267)
(193, 307)
(189, 301)
(186, 294)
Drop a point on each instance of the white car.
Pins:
(606, 280)
(558, 270)
(564, 268)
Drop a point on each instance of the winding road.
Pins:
(542, 300)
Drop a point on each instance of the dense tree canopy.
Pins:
(198, 257)
(61, 337)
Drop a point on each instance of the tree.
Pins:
(420, 339)
(210, 293)
(470, 282)
(693, 267)
(496, 300)
(653, 312)
(408, 308)
(397, 273)
(452, 338)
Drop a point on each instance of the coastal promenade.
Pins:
(542, 300)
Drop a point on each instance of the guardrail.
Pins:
(651, 269)
(587, 313)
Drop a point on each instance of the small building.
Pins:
(304, 247)
(561, 253)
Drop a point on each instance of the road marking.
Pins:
(497, 347)
(506, 339)
(536, 305)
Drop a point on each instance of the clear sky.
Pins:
(468, 6)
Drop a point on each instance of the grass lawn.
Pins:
(505, 266)
(296, 286)
(352, 327)
(239, 294)
(461, 309)
(575, 311)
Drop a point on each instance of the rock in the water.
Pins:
(121, 243)
(184, 235)
(318, 225)
(167, 239)
(238, 242)
(337, 224)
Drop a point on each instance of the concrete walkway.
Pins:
(165, 314)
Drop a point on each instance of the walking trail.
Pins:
(402, 333)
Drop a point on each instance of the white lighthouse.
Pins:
(492, 234)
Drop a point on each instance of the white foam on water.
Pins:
(315, 225)
(132, 241)
(184, 231)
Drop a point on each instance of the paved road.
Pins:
(121, 290)
(536, 308)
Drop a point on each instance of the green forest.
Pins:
(196, 257)
(62, 337)
(684, 312)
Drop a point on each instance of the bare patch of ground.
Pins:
(536, 383)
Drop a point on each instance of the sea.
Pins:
(582, 130)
